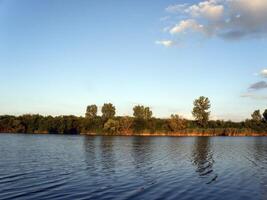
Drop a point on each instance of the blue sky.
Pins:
(59, 56)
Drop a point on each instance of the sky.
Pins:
(57, 57)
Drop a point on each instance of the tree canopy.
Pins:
(142, 112)
(108, 111)
(91, 111)
(200, 111)
(256, 116)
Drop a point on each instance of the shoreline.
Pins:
(183, 133)
(179, 135)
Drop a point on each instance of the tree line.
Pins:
(142, 121)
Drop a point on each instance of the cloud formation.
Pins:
(166, 43)
(227, 19)
(206, 9)
(259, 85)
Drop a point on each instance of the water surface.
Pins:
(80, 167)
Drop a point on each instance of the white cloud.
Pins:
(166, 43)
(186, 25)
(227, 19)
(264, 72)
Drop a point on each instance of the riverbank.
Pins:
(188, 133)
(208, 132)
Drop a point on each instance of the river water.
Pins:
(82, 167)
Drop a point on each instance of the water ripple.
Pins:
(71, 167)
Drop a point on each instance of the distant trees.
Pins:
(256, 116)
(91, 111)
(108, 111)
(200, 111)
(141, 122)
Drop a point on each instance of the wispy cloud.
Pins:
(164, 18)
(186, 25)
(176, 8)
(226, 19)
(254, 96)
(166, 43)
(258, 86)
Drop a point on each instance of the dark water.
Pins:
(79, 167)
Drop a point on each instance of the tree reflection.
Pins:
(202, 158)
(99, 154)
(107, 154)
(90, 156)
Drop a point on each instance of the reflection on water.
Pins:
(79, 167)
(107, 154)
(203, 158)
(141, 152)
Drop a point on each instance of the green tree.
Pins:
(91, 111)
(108, 111)
(112, 126)
(141, 112)
(265, 115)
(256, 116)
(200, 111)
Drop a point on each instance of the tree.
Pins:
(125, 124)
(91, 111)
(265, 115)
(141, 112)
(200, 111)
(176, 123)
(256, 116)
(108, 111)
(112, 126)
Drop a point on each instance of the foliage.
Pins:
(126, 124)
(142, 112)
(176, 123)
(140, 123)
(108, 111)
(112, 126)
(91, 111)
(256, 116)
(265, 115)
(200, 111)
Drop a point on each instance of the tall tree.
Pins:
(141, 112)
(256, 116)
(91, 111)
(200, 111)
(108, 111)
